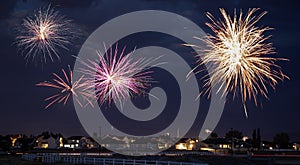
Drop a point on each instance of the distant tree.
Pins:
(254, 135)
(249, 142)
(234, 134)
(65, 141)
(5, 143)
(46, 134)
(26, 142)
(213, 135)
(60, 135)
(53, 135)
(258, 140)
(282, 140)
(31, 136)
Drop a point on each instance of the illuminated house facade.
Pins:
(80, 142)
(49, 142)
(189, 144)
(73, 142)
(218, 143)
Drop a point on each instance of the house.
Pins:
(73, 142)
(113, 143)
(88, 143)
(267, 145)
(296, 146)
(165, 142)
(145, 144)
(14, 139)
(189, 144)
(218, 143)
(80, 142)
(25, 143)
(50, 142)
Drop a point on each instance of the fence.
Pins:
(52, 158)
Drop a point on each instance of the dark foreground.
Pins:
(16, 160)
(212, 160)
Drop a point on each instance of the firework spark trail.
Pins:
(116, 77)
(238, 55)
(41, 35)
(65, 89)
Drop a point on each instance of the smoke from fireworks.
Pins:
(116, 77)
(237, 54)
(41, 35)
(65, 89)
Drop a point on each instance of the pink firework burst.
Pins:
(116, 77)
(65, 88)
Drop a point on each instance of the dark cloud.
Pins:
(70, 3)
(6, 8)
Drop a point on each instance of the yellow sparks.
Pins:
(240, 57)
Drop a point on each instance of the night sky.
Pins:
(22, 105)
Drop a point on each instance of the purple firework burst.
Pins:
(116, 76)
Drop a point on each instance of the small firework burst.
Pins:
(237, 54)
(116, 77)
(41, 35)
(63, 84)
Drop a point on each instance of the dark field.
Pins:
(16, 160)
(226, 160)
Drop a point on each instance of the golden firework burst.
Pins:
(240, 56)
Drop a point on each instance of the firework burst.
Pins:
(116, 77)
(237, 54)
(65, 88)
(41, 35)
